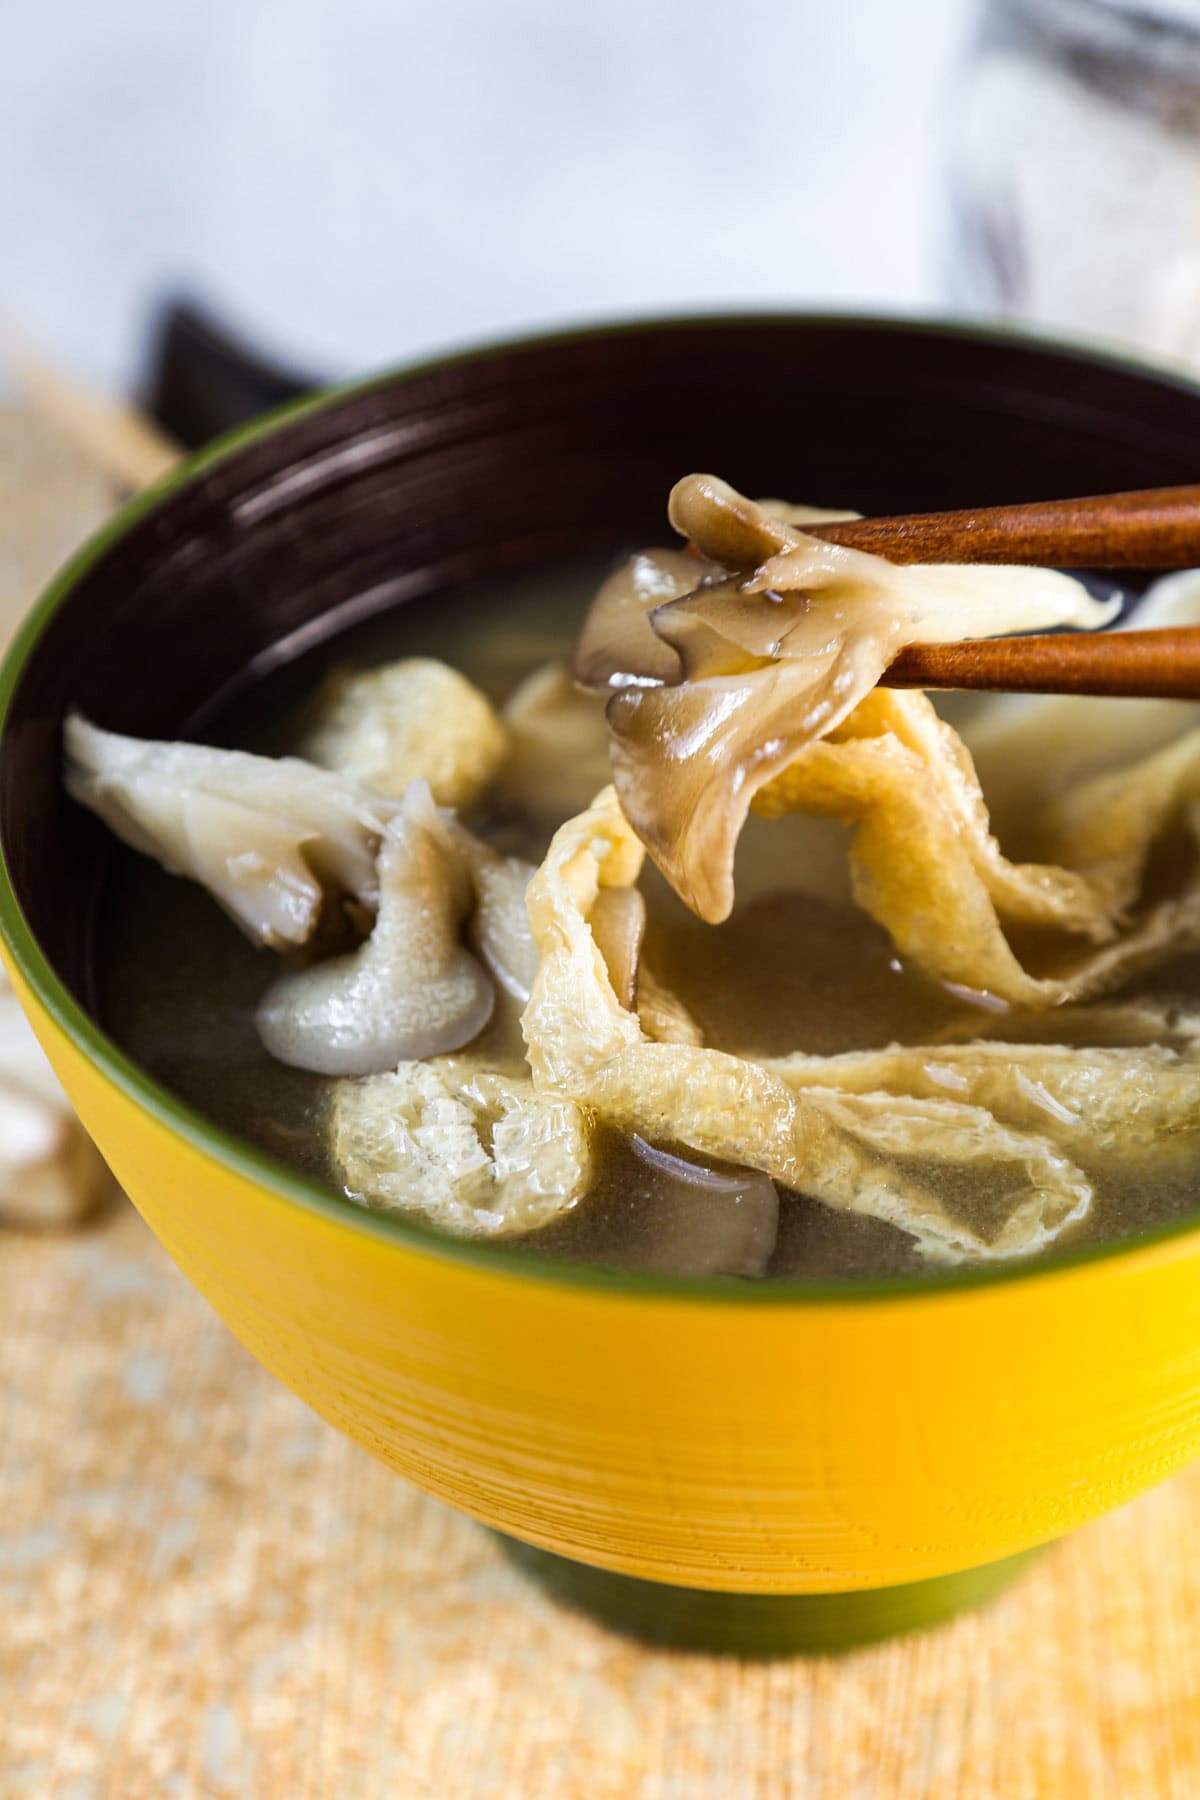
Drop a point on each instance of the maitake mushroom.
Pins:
(266, 836)
(411, 990)
(780, 638)
(705, 1220)
(275, 840)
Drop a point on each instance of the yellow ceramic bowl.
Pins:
(728, 1439)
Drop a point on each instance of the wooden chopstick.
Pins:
(1147, 665)
(1155, 528)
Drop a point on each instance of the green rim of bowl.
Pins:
(495, 1257)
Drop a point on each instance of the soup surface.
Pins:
(795, 967)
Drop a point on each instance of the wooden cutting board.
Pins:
(204, 1592)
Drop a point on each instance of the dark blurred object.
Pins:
(202, 380)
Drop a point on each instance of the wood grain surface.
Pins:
(206, 1593)
(1153, 665)
(1153, 528)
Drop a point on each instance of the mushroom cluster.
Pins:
(285, 847)
(721, 667)
(304, 857)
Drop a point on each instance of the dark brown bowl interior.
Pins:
(513, 456)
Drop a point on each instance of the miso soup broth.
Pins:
(940, 1120)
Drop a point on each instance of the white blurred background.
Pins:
(349, 181)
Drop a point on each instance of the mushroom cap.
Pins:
(265, 835)
(411, 990)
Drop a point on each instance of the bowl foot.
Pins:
(760, 1624)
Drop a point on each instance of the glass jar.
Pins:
(1075, 169)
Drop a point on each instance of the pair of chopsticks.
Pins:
(1157, 528)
